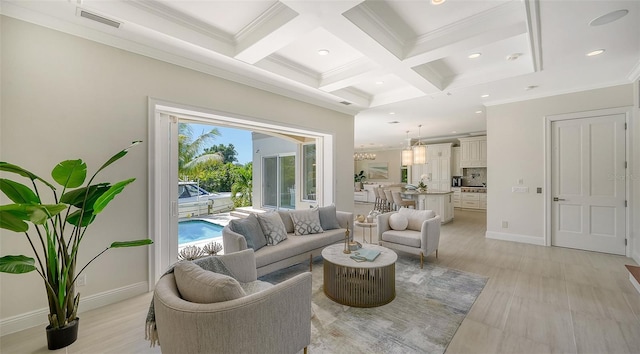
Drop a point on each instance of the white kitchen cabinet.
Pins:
(473, 151)
(473, 200)
(456, 170)
(439, 167)
(456, 199)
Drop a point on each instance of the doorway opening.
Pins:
(163, 170)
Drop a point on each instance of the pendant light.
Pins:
(419, 151)
(407, 154)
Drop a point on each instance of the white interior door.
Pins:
(588, 183)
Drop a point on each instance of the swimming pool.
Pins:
(197, 230)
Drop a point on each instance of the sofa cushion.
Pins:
(416, 217)
(285, 215)
(306, 222)
(297, 245)
(272, 227)
(250, 229)
(398, 221)
(328, 217)
(407, 237)
(204, 287)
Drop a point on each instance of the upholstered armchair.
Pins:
(267, 319)
(411, 231)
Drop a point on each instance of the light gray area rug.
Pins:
(429, 307)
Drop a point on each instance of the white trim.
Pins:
(39, 317)
(626, 110)
(515, 238)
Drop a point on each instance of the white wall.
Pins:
(515, 150)
(66, 97)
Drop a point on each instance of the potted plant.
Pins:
(358, 178)
(56, 231)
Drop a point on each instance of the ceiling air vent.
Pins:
(345, 103)
(99, 18)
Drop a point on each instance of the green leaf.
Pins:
(118, 156)
(17, 264)
(105, 198)
(87, 218)
(39, 214)
(17, 192)
(122, 244)
(9, 221)
(7, 167)
(76, 197)
(70, 173)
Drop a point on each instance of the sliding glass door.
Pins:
(278, 180)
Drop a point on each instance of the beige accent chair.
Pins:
(275, 320)
(420, 236)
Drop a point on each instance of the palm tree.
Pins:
(242, 187)
(189, 148)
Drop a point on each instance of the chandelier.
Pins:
(359, 156)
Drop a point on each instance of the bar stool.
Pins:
(378, 203)
(390, 202)
(384, 204)
(399, 202)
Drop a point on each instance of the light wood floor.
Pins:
(537, 300)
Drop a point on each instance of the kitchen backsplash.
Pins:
(474, 176)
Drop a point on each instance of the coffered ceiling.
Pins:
(393, 64)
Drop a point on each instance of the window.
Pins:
(309, 171)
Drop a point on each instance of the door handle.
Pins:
(556, 199)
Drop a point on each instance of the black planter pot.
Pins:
(61, 337)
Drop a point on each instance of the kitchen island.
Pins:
(438, 201)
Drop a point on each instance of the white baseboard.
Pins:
(515, 238)
(39, 317)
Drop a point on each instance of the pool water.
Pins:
(196, 230)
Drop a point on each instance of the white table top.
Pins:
(335, 255)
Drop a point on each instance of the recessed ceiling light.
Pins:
(379, 82)
(530, 87)
(474, 55)
(393, 122)
(437, 2)
(485, 95)
(478, 112)
(608, 18)
(595, 52)
(454, 132)
(323, 52)
(392, 113)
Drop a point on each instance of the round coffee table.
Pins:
(359, 284)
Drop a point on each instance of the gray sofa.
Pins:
(268, 319)
(295, 249)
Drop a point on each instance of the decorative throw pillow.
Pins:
(328, 217)
(306, 222)
(249, 227)
(272, 227)
(416, 217)
(205, 287)
(286, 220)
(398, 221)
